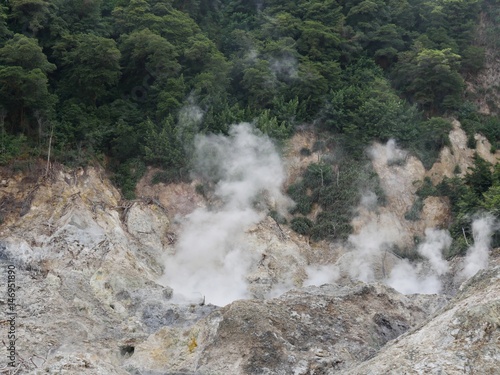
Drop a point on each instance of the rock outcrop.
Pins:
(315, 330)
(89, 300)
(86, 269)
(462, 339)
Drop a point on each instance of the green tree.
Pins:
(23, 81)
(162, 145)
(31, 14)
(26, 53)
(90, 66)
(5, 33)
(78, 17)
(144, 52)
(480, 177)
(430, 77)
(492, 200)
(260, 83)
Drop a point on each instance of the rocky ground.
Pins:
(89, 299)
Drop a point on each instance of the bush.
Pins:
(458, 248)
(11, 146)
(337, 188)
(318, 175)
(127, 175)
(332, 225)
(480, 177)
(413, 213)
(303, 203)
(301, 225)
(201, 189)
(432, 136)
(304, 151)
(280, 219)
(427, 189)
(471, 142)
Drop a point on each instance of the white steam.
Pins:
(407, 278)
(286, 67)
(478, 254)
(369, 244)
(369, 259)
(323, 274)
(390, 153)
(436, 241)
(212, 258)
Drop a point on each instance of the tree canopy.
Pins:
(132, 82)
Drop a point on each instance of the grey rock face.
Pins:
(88, 302)
(463, 339)
(316, 330)
(86, 266)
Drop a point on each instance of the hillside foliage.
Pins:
(131, 82)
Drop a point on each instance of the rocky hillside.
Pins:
(461, 339)
(91, 299)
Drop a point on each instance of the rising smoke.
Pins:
(368, 246)
(211, 257)
(478, 254)
(410, 278)
(369, 250)
(436, 241)
(285, 67)
(381, 233)
(323, 274)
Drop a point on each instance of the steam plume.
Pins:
(407, 278)
(478, 254)
(385, 231)
(390, 153)
(211, 256)
(432, 249)
(369, 244)
(319, 275)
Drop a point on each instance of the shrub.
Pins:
(280, 219)
(127, 175)
(303, 203)
(11, 146)
(301, 225)
(413, 213)
(304, 151)
(427, 189)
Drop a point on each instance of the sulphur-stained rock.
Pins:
(149, 224)
(459, 155)
(281, 264)
(89, 301)
(436, 212)
(397, 179)
(178, 199)
(463, 339)
(85, 282)
(483, 149)
(316, 330)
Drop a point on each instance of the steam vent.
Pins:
(257, 187)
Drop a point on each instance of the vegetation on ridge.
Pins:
(131, 82)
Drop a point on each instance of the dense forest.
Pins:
(129, 83)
